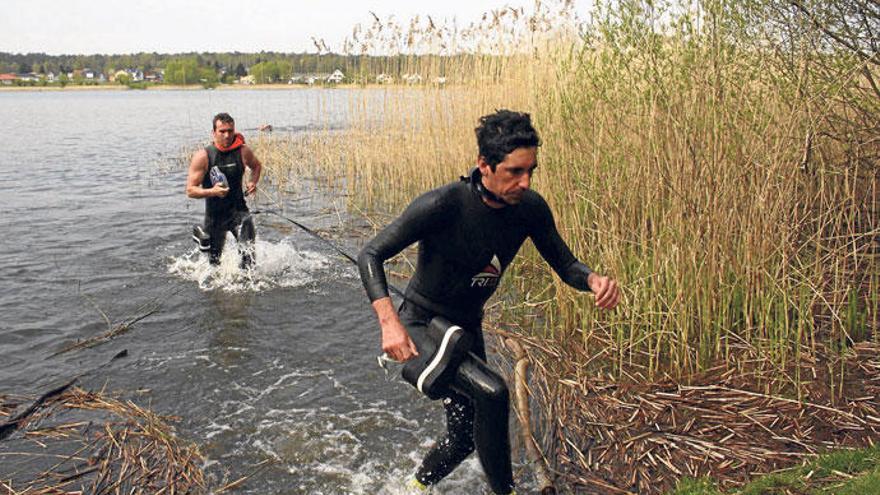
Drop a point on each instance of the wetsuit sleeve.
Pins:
(424, 214)
(553, 249)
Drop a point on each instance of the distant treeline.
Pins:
(224, 65)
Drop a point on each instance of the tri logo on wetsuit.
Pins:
(490, 275)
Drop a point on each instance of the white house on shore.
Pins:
(336, 77)
(412, 78)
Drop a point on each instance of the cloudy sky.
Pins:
(169, 26)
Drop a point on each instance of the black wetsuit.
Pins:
(229, 213)
(464, 248)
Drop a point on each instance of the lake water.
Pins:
(277, 366)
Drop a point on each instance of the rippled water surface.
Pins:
(277, 364)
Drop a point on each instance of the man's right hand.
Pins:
(395, 339)
(397, 343)
(219, 191)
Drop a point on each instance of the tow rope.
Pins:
(318, 236)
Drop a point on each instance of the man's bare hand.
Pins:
(397, 343)
(605, 289)
(250, 188)
(219, 191)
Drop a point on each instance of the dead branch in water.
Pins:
(141, 313)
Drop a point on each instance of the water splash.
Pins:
(278, 264)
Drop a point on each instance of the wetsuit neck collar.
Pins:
(237, 142)
(475, 178)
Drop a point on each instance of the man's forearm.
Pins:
(199, 192)
(385, 311)
(256, 170)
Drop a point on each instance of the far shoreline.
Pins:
(195, 87)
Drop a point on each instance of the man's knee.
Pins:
(492, 388)
(499, 392)
(202, 238)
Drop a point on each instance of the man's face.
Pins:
(513, 176)
(224, 134)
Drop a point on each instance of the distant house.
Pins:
(412, 78)
(133, 75)
(88, 73)
(247, 80)
(7, 79)
(154, 76)
(29, 77)
(51, 77)
(336, 77)
(384, 79)
(440, 80)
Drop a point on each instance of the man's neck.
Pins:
(490, 201)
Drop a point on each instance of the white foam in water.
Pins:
(278, 264)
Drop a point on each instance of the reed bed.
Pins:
(736, 202)
(719, 159)
(91, 442)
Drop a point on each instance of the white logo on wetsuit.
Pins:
(489, 276)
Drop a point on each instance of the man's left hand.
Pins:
(605, 289)
(250, 188)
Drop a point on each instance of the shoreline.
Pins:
(221, 87)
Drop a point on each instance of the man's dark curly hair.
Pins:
(502, 132)
(222, 117)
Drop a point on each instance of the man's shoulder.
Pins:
(446, 194)
(200, 157)
(246, 151)
(533, 199)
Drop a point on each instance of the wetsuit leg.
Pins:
(477, 411)
(447, 454)
(216, 229)
(245, 233)
(491, 402)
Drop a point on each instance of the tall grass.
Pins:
(690, 151)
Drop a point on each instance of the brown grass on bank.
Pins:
(92, 442)
(603, 436)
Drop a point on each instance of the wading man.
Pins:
(216, 173)
(468, 233)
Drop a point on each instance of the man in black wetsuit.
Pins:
(468, 233)
(225, 208)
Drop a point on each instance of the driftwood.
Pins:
(542, 474)
(9, 426)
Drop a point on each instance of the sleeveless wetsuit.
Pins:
(229, 213)
(464, 248)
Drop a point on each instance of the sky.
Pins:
(173, 26)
